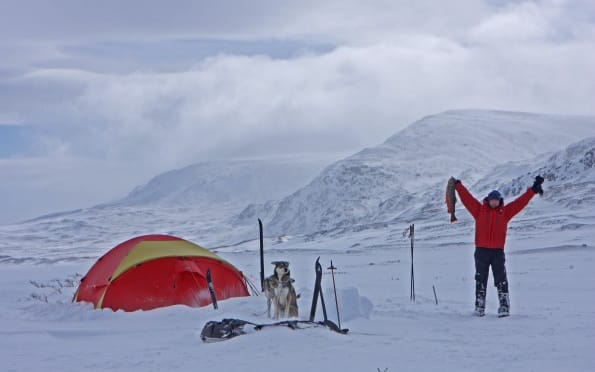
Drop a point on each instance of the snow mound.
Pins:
(351, 304)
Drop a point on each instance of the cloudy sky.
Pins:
(97, 97)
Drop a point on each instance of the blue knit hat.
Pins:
(494, 195)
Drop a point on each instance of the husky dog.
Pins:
(279, 291)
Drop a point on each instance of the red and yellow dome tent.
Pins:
(154, 271)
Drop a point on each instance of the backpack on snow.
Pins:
(219, 331)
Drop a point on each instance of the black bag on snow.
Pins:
(223, 330)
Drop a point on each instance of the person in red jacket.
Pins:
(491, 222)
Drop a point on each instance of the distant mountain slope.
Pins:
(569, 182)
(380, 183)
(194, 202)
(230, 181)
(569, 175)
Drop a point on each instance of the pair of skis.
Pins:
(318, 293)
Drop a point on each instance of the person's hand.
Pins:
(537, 185)
(455, 180)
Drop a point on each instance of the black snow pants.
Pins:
(484, 258)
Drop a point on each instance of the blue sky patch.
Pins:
(15, 140)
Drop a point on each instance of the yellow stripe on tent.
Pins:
(100, 302)
(150, 250)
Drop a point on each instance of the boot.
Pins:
(480, 299)
(504, 309)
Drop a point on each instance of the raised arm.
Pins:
(513, 208)
(517, 205)
(472, 204)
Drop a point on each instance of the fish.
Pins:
(451, 198)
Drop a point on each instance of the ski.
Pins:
(333, 327)
(317, 282)
(225, 329)
(295, 324)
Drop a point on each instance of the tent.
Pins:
(154, 271)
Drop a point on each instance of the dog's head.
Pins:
(281, 268)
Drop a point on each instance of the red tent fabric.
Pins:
(154, 271)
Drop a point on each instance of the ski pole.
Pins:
(411, 236)
(261, 256)
(435, 297)
(211, 289)
(332, 269)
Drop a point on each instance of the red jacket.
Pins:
(491, 223)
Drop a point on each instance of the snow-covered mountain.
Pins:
(243, 181)
(396, 182)
(390, 180)
(569, 175)
(567, 204)
(193, 202)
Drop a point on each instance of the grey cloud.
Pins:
(141, 20)
(229, 104)
(72, 20)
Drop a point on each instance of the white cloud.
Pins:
(394, 62)
(355, 95)
(536, 22)
(516, 24)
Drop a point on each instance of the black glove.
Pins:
(537, 185)
(456, 180)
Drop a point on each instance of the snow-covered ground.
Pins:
(353, 212)
(551, 327)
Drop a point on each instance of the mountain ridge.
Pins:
(375, 183)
